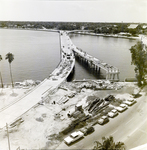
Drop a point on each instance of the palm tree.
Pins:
(2, 85)
(109, 144)
(10, 58)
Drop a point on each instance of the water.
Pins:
(114, 51)
(37, 53)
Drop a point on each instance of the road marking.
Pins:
(114, 132)
(130, 120)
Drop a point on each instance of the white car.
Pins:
(73, 137)
(103, 120)
(121, 108)
(130, 102)
(112, 113)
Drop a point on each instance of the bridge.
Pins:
(66, 65)
(48, 86)
(112, 73)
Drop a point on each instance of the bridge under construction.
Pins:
(112, 73)
(48, 86)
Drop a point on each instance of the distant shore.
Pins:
(32, 29)
(108, 35)
(139, 37)
(83, 33)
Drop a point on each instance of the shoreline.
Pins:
(139, 37)
(82, 33)
(33, 29)
(108, 35)
(29, 82)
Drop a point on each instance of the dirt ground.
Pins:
(45, 121)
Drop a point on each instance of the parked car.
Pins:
(123, 105)
(72, 94)
(73, 137)
(129, 102)
(87, 130)
(113, 113)
(121, 108)
(103, 120)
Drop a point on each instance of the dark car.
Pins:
(88, 130)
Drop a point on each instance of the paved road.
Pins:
(128, 127)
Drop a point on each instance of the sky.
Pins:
(74, 11)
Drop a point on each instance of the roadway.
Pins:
(128, 127)
(14, 110)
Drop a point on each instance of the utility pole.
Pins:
(8, 136)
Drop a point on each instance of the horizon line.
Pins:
(75, 21)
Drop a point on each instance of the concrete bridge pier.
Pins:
(97, 69)
(118, 76)
(112, 73)
(112, 76)
(88, 63)
(94, 67)
(91, 65)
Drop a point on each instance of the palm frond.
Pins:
(10, 57)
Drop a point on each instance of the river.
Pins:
(37, 53)
(114, 51)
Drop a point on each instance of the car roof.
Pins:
(113, 110)
(122, 104)
(103, 117)
(68, 139)
(74, 134)
(110, 112)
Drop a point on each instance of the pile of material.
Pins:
(97, 104)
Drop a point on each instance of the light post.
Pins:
(8, 136)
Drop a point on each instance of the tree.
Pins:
(139, 59)
(2, 85)
(10, 58)
(109, 144)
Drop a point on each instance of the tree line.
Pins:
(10, 57)
(99, 27)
